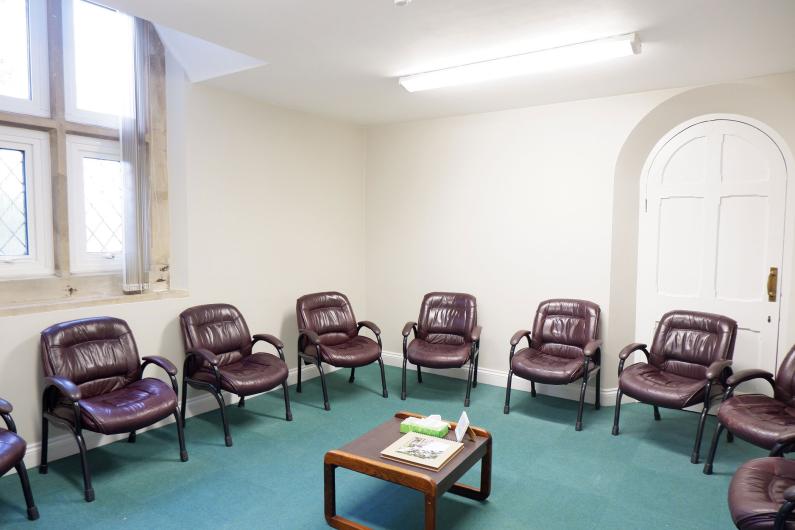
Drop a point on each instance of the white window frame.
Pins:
(38, 66)
(38, 191)
(81, 261)
(71, 111)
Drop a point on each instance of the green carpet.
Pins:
(545, 475)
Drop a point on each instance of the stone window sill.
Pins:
(87, 301)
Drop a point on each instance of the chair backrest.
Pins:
(98, 354)
(328, 314)
(563, 327)
(219, 328)
(447, 318)
(785, 379)
(687, 342)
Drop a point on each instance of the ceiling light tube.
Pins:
(527, 63)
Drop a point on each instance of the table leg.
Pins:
(430, 511)
(329, 491)
(482, 493)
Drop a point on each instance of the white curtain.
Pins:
(134, 125)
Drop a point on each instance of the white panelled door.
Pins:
(711, 230)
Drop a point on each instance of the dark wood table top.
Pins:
(370, 445)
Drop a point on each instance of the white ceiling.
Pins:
(341, 58)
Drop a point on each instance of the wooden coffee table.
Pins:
(363, 456)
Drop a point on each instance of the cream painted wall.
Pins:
(518, 206)
(265, 206)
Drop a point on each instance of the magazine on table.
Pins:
(421, 450)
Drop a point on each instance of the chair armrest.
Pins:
(789, 494)
(408, 327)
(313, 337)
(160, 361)
(747, 375)
(270, 339)
(369, 325)
(631, 348)
(519, 335)
(476, 331)
(5, 407)
(717, 368)
(592, 347)
(204, 354)
(66, 387)
(783, 444)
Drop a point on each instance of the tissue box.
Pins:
(432, 426)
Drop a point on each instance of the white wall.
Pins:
(265, 206)
(518, 206)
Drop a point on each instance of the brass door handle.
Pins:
(772, 284)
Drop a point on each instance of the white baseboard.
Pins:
(63, 445)
(499, 378)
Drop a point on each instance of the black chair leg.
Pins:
(184, 400)
(700, 432)
(131, 438)
(403, 381)
(242, 402)
(183, 452)
(729, 437)
(287, 412)
(469, 383)
(597, 402)
(419, 373)
(507, 408)
(475, 379)
(713, 448)
(45, 435)
(578, 425)
(33, 512)
(617, 414)
(384, 391)
(532, 389)
(783, 516)
(656, 413)
(298, 385)
(219, 397)
(323, 384)
(88, 490)
(351, 378)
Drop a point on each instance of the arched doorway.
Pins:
(711, 230)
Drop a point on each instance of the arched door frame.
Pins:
(789, 208)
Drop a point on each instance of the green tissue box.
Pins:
(429, 426)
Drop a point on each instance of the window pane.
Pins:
(14, 63)
(103, 58)
(102, 183)
(13, 207)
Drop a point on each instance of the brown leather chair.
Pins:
(12, 454)
(561, 349)
(219, 356)
(94, 381)
(690, 355)
(757, 418)
(446, 335)
(762, 495)
(328, 333)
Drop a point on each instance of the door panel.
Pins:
(711, 226)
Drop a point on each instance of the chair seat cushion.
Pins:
(534, 365)
(649, 384)
(358, 351)
(135, 406)
(252, 374)
(756, 418)
(757, 490)
(12, 449)
(438, 355)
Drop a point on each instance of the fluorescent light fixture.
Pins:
(526, 63)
